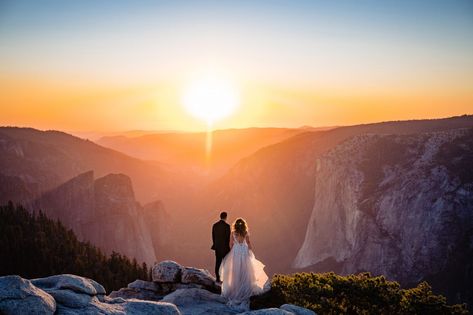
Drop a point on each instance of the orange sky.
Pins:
(110, 66)
(97, 107)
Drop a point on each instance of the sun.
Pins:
(210, 98)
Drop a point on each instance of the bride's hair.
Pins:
(240, 227)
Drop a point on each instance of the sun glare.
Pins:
(210, 98)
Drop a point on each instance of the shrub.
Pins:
(329, 293)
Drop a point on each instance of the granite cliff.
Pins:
(103, 211)
(398, 205)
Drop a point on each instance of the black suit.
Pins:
(221, 243)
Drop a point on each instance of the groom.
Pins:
(221, 241)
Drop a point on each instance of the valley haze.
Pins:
(387, 197)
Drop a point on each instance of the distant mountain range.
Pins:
(188, 150)
(393, 198)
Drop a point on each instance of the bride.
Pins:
(242, 274)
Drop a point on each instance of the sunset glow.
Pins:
(210, 98)
(287, 64)
(222, 144)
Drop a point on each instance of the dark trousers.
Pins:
(218, 261)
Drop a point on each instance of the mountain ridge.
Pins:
(273, 188)
(103, 211)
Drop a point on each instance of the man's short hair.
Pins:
(223, 215)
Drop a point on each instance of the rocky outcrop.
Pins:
(73, 295)
(167, 271)
(141, 290)
(193, 290)
(199, 302)
(203, 302)
(70, 282)
(400, 206)
(103, 211)
(20, 296)
(198, 276)
(70, 291)
(168, 276)
(70, 295)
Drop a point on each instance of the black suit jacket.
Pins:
(221, 237)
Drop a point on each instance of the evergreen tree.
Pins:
(34, 246)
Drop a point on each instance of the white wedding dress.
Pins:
(242, 275)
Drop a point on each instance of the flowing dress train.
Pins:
(242, 275)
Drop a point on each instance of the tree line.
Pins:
(33, 246)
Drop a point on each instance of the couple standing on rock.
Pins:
(236, 267)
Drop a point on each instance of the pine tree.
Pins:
(33, 246)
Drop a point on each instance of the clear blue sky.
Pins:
(40, 34)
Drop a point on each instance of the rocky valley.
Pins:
(391, 198)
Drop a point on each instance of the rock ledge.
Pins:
(175, 290)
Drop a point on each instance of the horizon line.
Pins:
(169, 131)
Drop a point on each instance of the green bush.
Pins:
(329, 293)
(33, 246)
